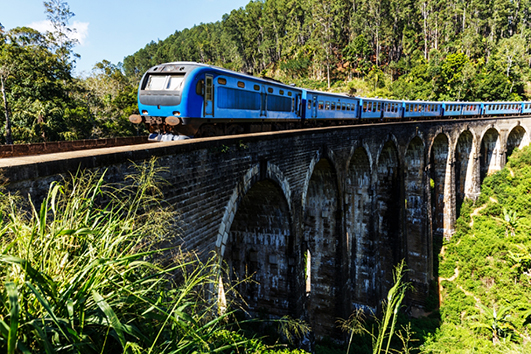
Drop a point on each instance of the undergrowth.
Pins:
(485, 268)
(89, 270)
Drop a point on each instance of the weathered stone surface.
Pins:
(318, 218)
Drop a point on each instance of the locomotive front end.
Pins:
(163, 102)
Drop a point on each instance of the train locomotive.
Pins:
(182, 100)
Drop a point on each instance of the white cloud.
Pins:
(80, 29)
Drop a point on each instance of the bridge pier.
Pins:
(316, 218)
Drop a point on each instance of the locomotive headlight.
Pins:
(177, 113)
(144, 112)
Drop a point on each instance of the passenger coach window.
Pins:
(257, 88)
(327, 107)
(333, 106)
(321, 104)
(309, 104)
(222, 81)
(289, 94)
(270, 89)
(241, 84)
(281, 92)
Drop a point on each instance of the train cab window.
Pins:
(222, 81)
(200, 87)
(241, 84)
(333, 106)
(327, 106)
(321, 104)
(270, 89)
(257, 87)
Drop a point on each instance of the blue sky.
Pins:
(113, 29)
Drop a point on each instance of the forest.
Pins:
(476, 50)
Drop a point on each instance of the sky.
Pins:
(114, 29)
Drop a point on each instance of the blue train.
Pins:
(182, 100)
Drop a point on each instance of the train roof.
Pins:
(186, 66)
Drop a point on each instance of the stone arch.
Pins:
(416, 218)
(255, 241)
(515, 139)
(274, 173)
(322, 225)
(489, 154)
(358, 220)
(259, 248)
(389, 209)
(440, 181)
(464, 168)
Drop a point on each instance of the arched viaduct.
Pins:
(318, 218)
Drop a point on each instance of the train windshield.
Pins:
(164, 82)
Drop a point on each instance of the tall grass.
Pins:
(86, 272)
(386, 325)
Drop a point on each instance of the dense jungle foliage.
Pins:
(475, 50)
(485, 269)
(427, 49)
(43, 101)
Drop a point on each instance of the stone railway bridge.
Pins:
(317, 217)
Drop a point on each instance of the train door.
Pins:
(209, 96)
(298, 105)
(314, 106)
(263, 102)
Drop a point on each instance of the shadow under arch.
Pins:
(323, 249)
(515, 139)
(489, 154)
(389, 242)
(416, 221)
(256, 243)
(358, 217)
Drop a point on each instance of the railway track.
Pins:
(18, 150)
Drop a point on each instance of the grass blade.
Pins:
(12, 293)
(111, 316)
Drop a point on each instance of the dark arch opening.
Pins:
(463, 153)
(389, 211)
(489, 144)
(358, 219)
(514, 140)
(260, 248)
(416, 220)
(322, 235)
(438, 164)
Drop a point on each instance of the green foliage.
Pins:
(486, 308)
(86, 271)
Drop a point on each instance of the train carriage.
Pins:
(422, 109)
(502, 108)
(326, 106)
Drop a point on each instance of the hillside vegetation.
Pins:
(429, 49)
(485, 269)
